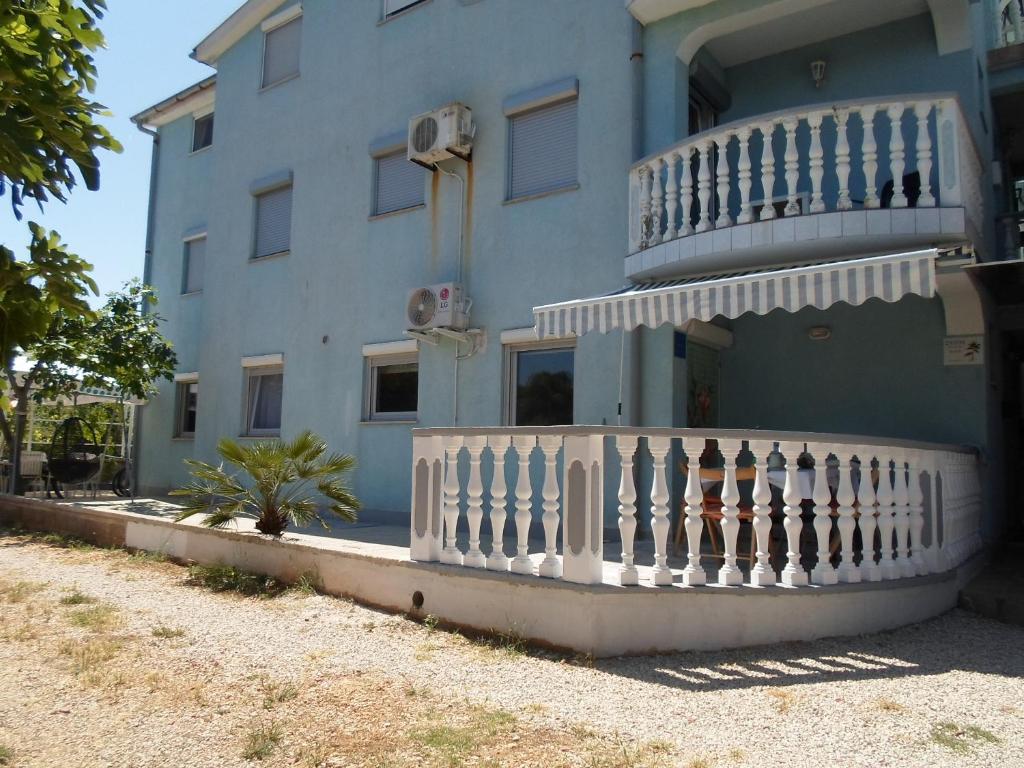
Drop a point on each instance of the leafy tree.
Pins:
(278, 491)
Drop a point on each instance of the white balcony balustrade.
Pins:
(813, 164)
(776, 508)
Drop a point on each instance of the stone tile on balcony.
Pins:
(783, 231)
(830, 225)
(741, 236)
(855, 223)
(904, 221)
(879, 222)
(805, 228)
(952, 219)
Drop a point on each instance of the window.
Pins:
(264, 390)
(273, 222)
(281, 46)
(195, 263)
(202, 132)
(187, 402)
(398, 183)
(392, 388)
(391, 7)
(540, 385)
(542, 150)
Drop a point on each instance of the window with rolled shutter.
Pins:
(399, 184)
(273, 222)
(391, 7)
(195, 263)
(281, 52)
(542, 150)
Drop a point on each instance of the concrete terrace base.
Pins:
(602, 620)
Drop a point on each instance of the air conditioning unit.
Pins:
(437, 306)
(440, 135)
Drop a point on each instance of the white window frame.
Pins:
(196, 118)
(378, 356)
(181, 386)
(186, 263)
(511, 347)
(511, 117)
(254, 372)
(273, 24)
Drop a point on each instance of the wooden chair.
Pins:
(712, 509)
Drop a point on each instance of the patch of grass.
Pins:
(167, 633)
(784, 700)
(451, 745)
(277, 693)
(888, 705)
(19, 591)
(961, 739)
(535, 708)
(60, 540)
(699, 762)
(89, 656)
(261, 742)
(227, 578)
(143, 557)
(308, 584)
(315, 755)
(430, 622)
(737, 755)
(6, 756)
(77, 598)
(98, 618)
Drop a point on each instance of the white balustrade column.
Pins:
(657, 200)
(729, 574)
(645, 205)
(659, 448)
(869, 569)
(901, 502)
(897, 154)
(626, 445)
(816, 162)
(497, 561)
(686, 193)
(922, 110)
(671, 197)
(722, 174)
(475, 501)
(916, 499)
(793, 575)
(451, 553)
(704, 187)
(551, 566)
(743, 168)
(792, 157)
(823, 572)
(693, 574)
(524, 445)
(844, 203)
(886, 523)
(761, 573)
(870, 156)
(767, 172)
(425, 541)
(849, 573)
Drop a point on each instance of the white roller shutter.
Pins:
(281, 52)
(399, 183)
(543, 150)
(273, 222)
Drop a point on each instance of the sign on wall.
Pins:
(963, 350)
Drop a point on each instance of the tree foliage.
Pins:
(279, 489)
(47, 119)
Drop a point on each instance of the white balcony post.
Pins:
(767, 172)
(761, 573)
(923, 110)
(671, 197)
(583, 509)
(693, 574)
(729, 574)
(659, 448)
(475, 502)
(626, 445)
(901, 500)
(816, 162)
(823, 572)
(743, 168)
(497, 561)
(722, 174)
(870, 156)
(952, 191)
(657, 200)
(451, 554)
(897, 154)
(849, 573)
(635, 222)
(427, 498)
(645, 206)
(885, 519)
(686, 195)
(524, 445)
(842, 117)
(551, 566)
(793, 575)
(916, 499)
(866, 505)
(704, 186)
(792, 157)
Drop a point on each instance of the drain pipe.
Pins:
(630, 352)
(458, 279)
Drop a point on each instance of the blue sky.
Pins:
(146, 60)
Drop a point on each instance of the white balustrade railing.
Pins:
(789, 509)
(811, 160)
(1009, 22)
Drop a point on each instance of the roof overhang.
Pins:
(233, 29)
(648, 11)
(678, 302)
(195, 98)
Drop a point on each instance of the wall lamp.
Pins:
(818, 72)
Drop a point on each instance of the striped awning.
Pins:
(676, 302)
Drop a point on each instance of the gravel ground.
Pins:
(339, 684)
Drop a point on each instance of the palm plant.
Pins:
(279, 489)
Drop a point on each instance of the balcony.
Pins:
(823, 181)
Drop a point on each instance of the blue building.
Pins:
(714, 214)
